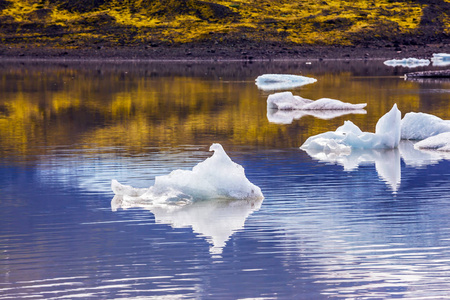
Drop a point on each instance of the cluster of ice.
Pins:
(407, 62)
(433, 132)
(287, 101)
(441, 59)
(270, 82)
(419, 126)
(348, 136)
(216, 177)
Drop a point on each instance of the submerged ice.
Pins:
(348, 136)
(216, 177)
(268, 82)
(287, 101)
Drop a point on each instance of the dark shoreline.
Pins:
(223, 53)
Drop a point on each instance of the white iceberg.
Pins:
(288, 116)
(440, 59)
(216, 177)
(215, 220)
(407, 62)
(387, 162)
(419, 126)
(287, 101)
(348, 136)
(440, 142)
(269, 82)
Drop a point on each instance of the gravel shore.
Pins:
(242, 52)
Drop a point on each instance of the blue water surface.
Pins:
(375, 227)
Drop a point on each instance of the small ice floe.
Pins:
(271, 82)
(440, 142)
(419, 126)
(441, 59)
(407, 62)
(214, 198)
(349, 136)
(287, 101)
(216, 177)
(288, 116)
(387, 162)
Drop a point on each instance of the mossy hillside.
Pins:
(81, 23)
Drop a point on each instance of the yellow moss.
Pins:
(20, 10)
(308, 21)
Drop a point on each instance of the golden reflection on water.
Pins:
(161, 105)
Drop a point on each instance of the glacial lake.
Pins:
(372, 225)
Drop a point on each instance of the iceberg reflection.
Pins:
(387, 162)
(414, 157)
(215, 219)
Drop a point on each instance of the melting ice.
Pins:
(270, 82)
(216, 177)
(407, 62)
(348, 136)
(229, 198)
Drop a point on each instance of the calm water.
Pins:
(373, 225)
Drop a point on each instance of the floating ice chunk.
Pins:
(268, 82)
(387, 162)
(216, 177)
(215, 220)
(288, 116)
(419, 126)
(440, 142)
(287, 101)
(441, 59)
(407, 62)
(348, 136)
